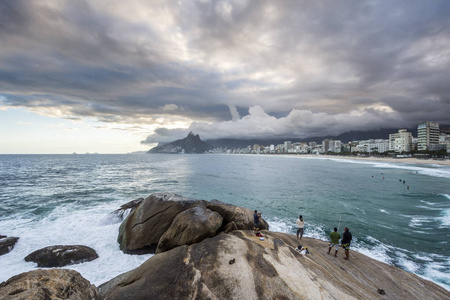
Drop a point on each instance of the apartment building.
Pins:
(401, 141)
(428, 136)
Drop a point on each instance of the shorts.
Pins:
(257, 225)
(300, 230)
(336, 246)
(346, 246)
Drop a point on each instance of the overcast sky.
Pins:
(118, 76)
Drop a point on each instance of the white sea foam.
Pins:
(445, 218)
(385, 211)
(418, 221)
(428, 203)
(407, 264)
(68, 226)
(438, 273)
(375, 249)
(311, 230)
(429, 170)
(428, 208)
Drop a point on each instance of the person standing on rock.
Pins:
(300, 226)
(334, 237)
(256, 222)
(345, 243)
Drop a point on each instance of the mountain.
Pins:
(190, 144)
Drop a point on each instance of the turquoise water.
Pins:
(65, 199)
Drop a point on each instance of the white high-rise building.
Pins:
(401, 141)
(428, 136)
(329, 145)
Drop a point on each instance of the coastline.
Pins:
(408, 160)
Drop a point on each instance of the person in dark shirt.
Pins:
(345, 243)
(256, 222)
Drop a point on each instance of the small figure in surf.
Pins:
(300, 226)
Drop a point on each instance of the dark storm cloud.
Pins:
(302, 67)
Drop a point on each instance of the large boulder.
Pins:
(241, 266)
(48, 284)
(7, 244)
(153, 218)
(59, 256)
(190, 226)
(149, 220)
(240, 217)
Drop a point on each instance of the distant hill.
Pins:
(191, 144)
(344, 137)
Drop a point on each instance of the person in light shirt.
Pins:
(300, 226)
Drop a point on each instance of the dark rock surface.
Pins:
(59, 255)
(190, 226)
(141, 230)
(48, 284)
(241, 266)
(7, 244)
(153, 218)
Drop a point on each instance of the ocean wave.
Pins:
(429, 170)
(428, 203)
(70, 225)
(445, 219)
(428, 208)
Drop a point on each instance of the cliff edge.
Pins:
(239, 265)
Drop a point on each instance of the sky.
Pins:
(105, 76)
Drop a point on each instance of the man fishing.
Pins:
(345, 243)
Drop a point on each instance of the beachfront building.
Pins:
(369, 146)
(401, 141)
(428, 136)
(329, 145)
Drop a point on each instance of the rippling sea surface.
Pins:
(65, 199)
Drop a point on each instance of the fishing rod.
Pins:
(339, 225)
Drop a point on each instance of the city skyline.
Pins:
(112, 77)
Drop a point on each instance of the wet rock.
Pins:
(7, 244)
(59, 255)
(150, 219)
(190, 226)
(48, 284)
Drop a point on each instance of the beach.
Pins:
(407, 160)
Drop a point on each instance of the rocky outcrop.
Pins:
(241, 266)
(141, 230)
(59, 256)
(7, 243)
(154, 217)
(48, 284)
(189, 227)
(235, 216)
(190, 144)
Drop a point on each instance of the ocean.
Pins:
(66, 200)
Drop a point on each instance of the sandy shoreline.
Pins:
(389, 160)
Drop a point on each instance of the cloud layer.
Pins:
(229, 68)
